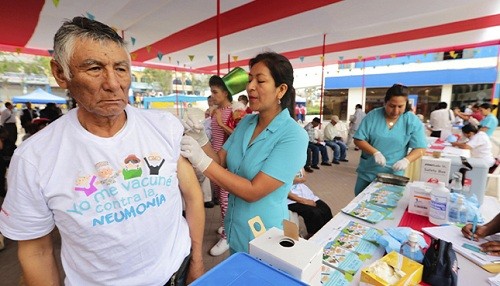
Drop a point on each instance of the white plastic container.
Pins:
(440, 198)
(411, 249)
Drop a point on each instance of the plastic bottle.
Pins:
(453, 215)
(456, 183)
(438, 208)
(458, 212)
(462, 211)
(411, 249)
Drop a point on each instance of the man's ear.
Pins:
(58, 74)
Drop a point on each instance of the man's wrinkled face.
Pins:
(100, 77)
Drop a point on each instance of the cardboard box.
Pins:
(301, 259)
(412, 269)
(435, 170)
(420, 197)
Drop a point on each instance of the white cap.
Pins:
(413, 237)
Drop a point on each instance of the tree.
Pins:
(30, 65)
(200, 83)
(162, 77)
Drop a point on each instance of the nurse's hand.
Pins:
(401, 165)
(379, 158)
(191, 150)
(195, 130)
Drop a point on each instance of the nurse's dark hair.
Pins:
(81, 28)
(470, 128)
(398, 90)
(282, 72)
(487, 105)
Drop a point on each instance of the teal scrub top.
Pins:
(491, 122)
(280, 152)
(393, 143)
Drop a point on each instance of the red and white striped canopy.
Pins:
(182, 34)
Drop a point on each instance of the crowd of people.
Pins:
(134, 213)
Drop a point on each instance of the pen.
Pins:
(474, 225)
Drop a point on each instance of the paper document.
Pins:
(468, 248)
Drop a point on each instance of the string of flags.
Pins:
(452, 53)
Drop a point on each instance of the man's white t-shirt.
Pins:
(303, 191)
(115, 201)
(441, 119)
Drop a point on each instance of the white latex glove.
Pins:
(401, 165)
(195, 130)
(379, 158)
(191, 150)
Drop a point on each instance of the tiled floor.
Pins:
(334, 185)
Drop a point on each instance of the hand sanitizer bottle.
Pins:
(456, 183)
(411, 249)
(462, 211)
(458, 212)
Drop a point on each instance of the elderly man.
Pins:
(120, 220)
(8, 120)
(333, 139)
(355, 121)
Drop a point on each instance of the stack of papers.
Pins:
(468, 248)
(495, 280)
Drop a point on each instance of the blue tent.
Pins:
(38, 96)
(174, 97)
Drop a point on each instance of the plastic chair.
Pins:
(496, 173)
(294, 217)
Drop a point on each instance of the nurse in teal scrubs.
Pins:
(385, 136)
(489, 122)
(262, 155)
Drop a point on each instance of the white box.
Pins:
(420, 197)
(302, 260)
(435, 169)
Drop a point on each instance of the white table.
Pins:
(469, 273)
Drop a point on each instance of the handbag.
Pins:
(440, 264)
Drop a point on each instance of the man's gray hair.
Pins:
(81, 28)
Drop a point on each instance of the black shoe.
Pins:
(209, 205)
(315, 167)
(344, 160)
(325, 164)
(335, 162)
(308, 169)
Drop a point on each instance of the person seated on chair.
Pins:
(316, 145)
(479, 143)
(333, 139)
(315, 212)
(492, 247)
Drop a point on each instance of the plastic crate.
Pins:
(242, 269)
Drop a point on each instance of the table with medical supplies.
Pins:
(469, 273)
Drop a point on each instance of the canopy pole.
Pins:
(176, 95)
(322, 79)
(218, 37)
(495, 92)
(363, 87)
